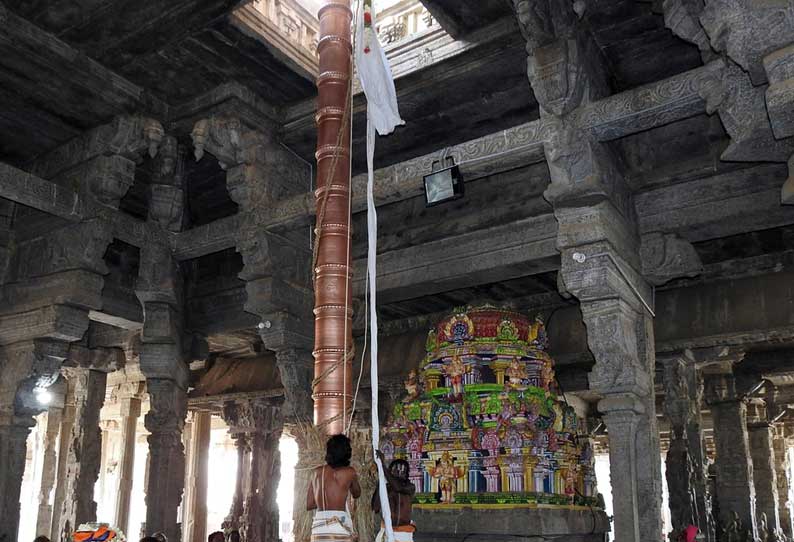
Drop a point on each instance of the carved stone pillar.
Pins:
(259, 521)
(49, 469)
(165, 421)
(83, 459)
(686, 459)
(194, 525)
(24, 368)
(130, 409)
(620, 335)
(13, 447)
(233, 414)
(783, 468)
(760, 433)
(67, 422)
(232, 521)
(277, 267)
(733, 465)
(162, 360)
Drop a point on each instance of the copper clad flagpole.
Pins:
(333, 333)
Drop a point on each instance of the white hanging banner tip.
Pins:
(375, 74)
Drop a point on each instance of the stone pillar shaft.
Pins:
(764, 476)
(130, 411)
(83, 460)
(621, 340)
(13, 448)
(259, 522)
(782, 468)
(686, 459)
(48, 471)
(622, 424)
(232, 521)
(165, 421)
(195, 526)
(67, 422)
(734, 466)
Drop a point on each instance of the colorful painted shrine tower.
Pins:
(482, 422)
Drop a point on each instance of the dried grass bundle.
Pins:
(311, 443)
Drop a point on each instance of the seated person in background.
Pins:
(217, 536)
(328, 492)
(401, 495)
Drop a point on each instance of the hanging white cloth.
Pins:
(382, 115)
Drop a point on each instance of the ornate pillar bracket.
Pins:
(167, 196)
(757, 38)
(733, 465)
(779, 67)
(742, 110)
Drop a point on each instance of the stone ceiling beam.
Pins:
(617, 116)
(27, 189)
(521, 248)
(77, 76)
(718, 206)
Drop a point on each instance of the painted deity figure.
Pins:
(570, 484)
(412, 386)
(516, 374)
(447, 473)
(455, 369)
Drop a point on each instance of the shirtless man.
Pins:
(328, 492)
(401, 495)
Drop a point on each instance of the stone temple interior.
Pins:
(629, 179)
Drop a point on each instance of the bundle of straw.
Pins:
(311, 444)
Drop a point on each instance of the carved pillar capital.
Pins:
(616, 335)
(742, 110)
(28, 367)
(683, 392)
(296, 367)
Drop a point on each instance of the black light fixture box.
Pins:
(443, 185)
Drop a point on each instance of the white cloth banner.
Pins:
(382, 115)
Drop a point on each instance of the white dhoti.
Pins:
(404, 533)
(332, 526)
